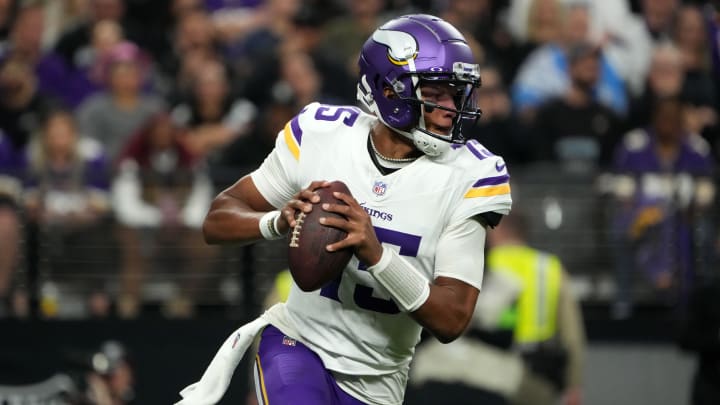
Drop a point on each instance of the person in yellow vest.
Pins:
(545, 318)
(280, 288)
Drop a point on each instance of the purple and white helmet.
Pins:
(402, 54)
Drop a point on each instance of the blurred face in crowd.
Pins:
(191, 64)
(284, 9)
(162, 133)
(17, 83)
(107, 9)
(303, 38)
(668, 121)
(125, 78)
(194, 31)
(28, 30)
(584, 71)
(689, 31)
(659, 13)
(121, 381)
(576, 24)
(544, 20)
(666, 74)
(492, 97)
(299, 72)
(211, 83)
(105, 35)
(60, 135)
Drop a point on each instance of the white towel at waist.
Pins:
(214, 382)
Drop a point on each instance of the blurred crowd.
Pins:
(121, 119)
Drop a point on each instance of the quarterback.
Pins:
(422, 199)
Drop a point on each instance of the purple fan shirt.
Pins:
(667, 247)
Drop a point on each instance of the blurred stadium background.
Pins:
(120, 120)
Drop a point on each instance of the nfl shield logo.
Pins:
(379, 188)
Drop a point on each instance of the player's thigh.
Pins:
(287, 372)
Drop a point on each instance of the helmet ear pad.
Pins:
(399, 113)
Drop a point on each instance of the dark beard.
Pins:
(587, 87)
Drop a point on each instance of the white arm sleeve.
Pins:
(130, 209)
(273, 181)
(461, 252)
(198, 202)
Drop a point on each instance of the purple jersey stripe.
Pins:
(297, 132)
(475, 152)
(492, 181)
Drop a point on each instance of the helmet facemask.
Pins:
(463, 86)
(406, 54)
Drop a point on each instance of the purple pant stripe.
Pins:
(291, 373)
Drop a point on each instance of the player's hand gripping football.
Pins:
(360, 232)
(302, 201)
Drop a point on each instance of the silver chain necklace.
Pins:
(389, 159)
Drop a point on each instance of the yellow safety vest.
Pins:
(540, 275)
(283, 284)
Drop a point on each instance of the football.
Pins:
(311, 265)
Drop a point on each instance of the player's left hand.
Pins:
(360, 232)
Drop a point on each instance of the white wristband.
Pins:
(268, 226)
(408, 287)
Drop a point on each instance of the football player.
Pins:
(422, 198)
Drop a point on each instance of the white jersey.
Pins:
(352, 324)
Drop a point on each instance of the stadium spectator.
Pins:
(25, 46)
(8, 8)
(299, 81)
(255, 56)
(193, 42)
(343, 35)
(160, 195)
(690, 35)
(622, 34)
(157, 24)
(306, 37)
(574, 128)
(11, 165)
(87, 75)
(59, 16)
(234, 19)
(658, 16)
(111, 116)
(73, 42)
(66, 195)
(552, 344)
(545, 72)
(535, 22)
(212, 114)
(664, 80)
(249, 151)
(712, 14)
(473, 17)
(21, 106)
(663, 190)
(536, 357)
